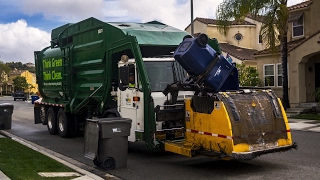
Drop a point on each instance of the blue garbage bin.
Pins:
(197, 57)
(34, 98)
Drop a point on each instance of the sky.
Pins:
(25, 25)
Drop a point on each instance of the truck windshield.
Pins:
(162, 73)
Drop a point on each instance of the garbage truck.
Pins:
(180, 93)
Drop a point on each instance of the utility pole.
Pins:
(192, 30)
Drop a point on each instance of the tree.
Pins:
(20, 83)
(274, 29)
(248, 76)
(20, 66)
(4, 71)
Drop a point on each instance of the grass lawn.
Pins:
(307, 116)
(20, 162)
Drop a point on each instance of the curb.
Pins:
(3, 176)
(59, 157)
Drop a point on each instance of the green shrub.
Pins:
(316, 94)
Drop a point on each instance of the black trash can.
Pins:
(6, 110)
(106, 141)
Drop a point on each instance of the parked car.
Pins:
(19, 95)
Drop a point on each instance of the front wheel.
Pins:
(52, 121)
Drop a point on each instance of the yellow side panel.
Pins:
(283, 142)
(209, 131)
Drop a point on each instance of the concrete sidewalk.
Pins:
(3, 176)
(305, 125)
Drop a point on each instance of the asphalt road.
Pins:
(303, 163)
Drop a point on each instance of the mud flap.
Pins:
(37, 118)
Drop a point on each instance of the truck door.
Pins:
(128, 104)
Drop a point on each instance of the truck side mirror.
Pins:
(124, 75)
(127, 76)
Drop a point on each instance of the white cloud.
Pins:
(170, 12)
(62, 10)
(18, 41)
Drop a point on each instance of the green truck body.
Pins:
(78, 71)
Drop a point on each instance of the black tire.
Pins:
(65, 124)
(202, 40)
(79, 120)
(109, 163)
(14, 99)
(51, 121)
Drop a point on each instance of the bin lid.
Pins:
(110, 120)
(3, 105)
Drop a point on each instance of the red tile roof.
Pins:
(300, 5)
(214, 21)
(259, 18)
(291, 45)
(238, 52)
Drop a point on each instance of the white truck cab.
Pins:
(161, 71)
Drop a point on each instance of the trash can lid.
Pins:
(6, 105)
(110, 120)
(114, 120)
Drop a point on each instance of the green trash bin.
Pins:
(6, 110)
(106, 141)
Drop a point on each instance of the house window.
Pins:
(260, 39)
(238, 37)
(297, 27)
(279, 74)
(268, 71)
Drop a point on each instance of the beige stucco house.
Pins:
(303, 55)
(244, 44)
(241, 42)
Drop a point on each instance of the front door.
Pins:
(317, 75)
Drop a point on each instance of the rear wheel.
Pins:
(52, 121)
(109, 163)
(65, 124)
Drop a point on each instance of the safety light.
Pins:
(136, 98)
